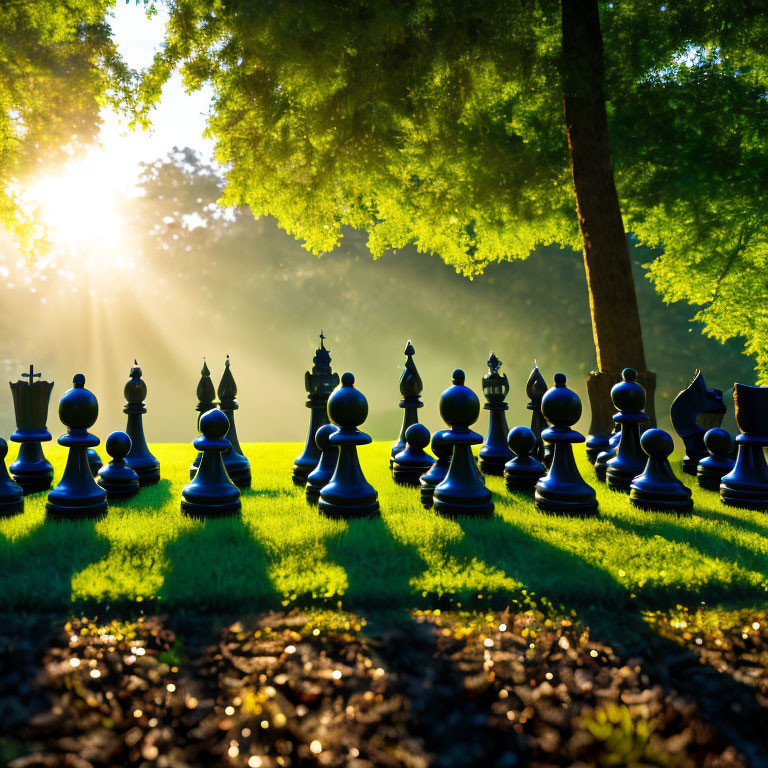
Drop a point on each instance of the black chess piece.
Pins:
(211, 493)
(443, 451)
(77, 495)
(206, 400)
(719, 443)
(656, 488)
(535, 389)
(410, 389)
(523, 471)
(746, 485)
(601, 462)
(629, 398)
(495, 453)
(94, 461)
(139, 457)
(319, 385)
(413, 461)
(11, 494)
(321, 475)
(694, 411)
(463, 490)
(237, 466)
(31, 470)
(118, 478)
(563, 490)
(348, 494)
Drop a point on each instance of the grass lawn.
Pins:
(281, 551)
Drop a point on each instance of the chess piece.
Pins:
(139, 457)
(11, 494)
(211, 493)
(237, 466)
(319, 385)
(321, 475)
(495, 454)
(94, 461)
(436, 474)
(77, 495)
(694, 406)
(523, 471)
(709, 473)
(206, 400)
(601, 462)
(31, 470)
(562, 490)
(463, 490)
(118, 478)
(656, 488)
(413, 461)
(746, 485)
(629, 398)
(348, 494)
(535, 389)
(410, 389)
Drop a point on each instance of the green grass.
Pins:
(281, 551)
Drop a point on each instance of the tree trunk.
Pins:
(612, 299)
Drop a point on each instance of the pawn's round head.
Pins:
(719, 442)
(560, 406)
(417, 435)
(214, 424)
(440, 445)
(78, 407)
(3, 449)
(459, 405)
(657, 443)
(323, 435)
(347, 406)
(628, 395)
(118, 445)
(521, 441)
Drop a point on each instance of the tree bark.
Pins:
(612, 298)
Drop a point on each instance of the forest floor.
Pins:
(282, 638)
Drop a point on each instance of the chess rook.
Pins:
(410, 390)
(319, 383)
(495, 453)
(720, 444)
(348, 494)
(206, 400)
(443, 450)
(413, 461)
(656, 488)
(211, 493)
(11, 494)
(321, 475)
(562, 490)
(463, 490)
(237, 466)
(77, 495)
(522, 471)
(31, 470)
(139, 457)
(628, 397)
(535, 389)
(118, 478)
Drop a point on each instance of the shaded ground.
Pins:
(426, 689)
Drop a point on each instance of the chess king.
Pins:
(31, 470)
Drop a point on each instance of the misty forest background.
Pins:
(198, 280)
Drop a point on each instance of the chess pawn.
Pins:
(319, 383)
(31, 470)
(413, 461)
(118, 478)
(436, 474)
(629, 398)
(523, 471)
(77, 495)
(463, 490)
(139, 457)
(562, 490)
(11, 494)
(321, 475)
(746, 485)
(709, 473)
(656, 488)
(348, 494)
(237, 466)
(535, 389)
(601, 462)
(495, 454)
(410, 389)
(94, 461)
(211, 493)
